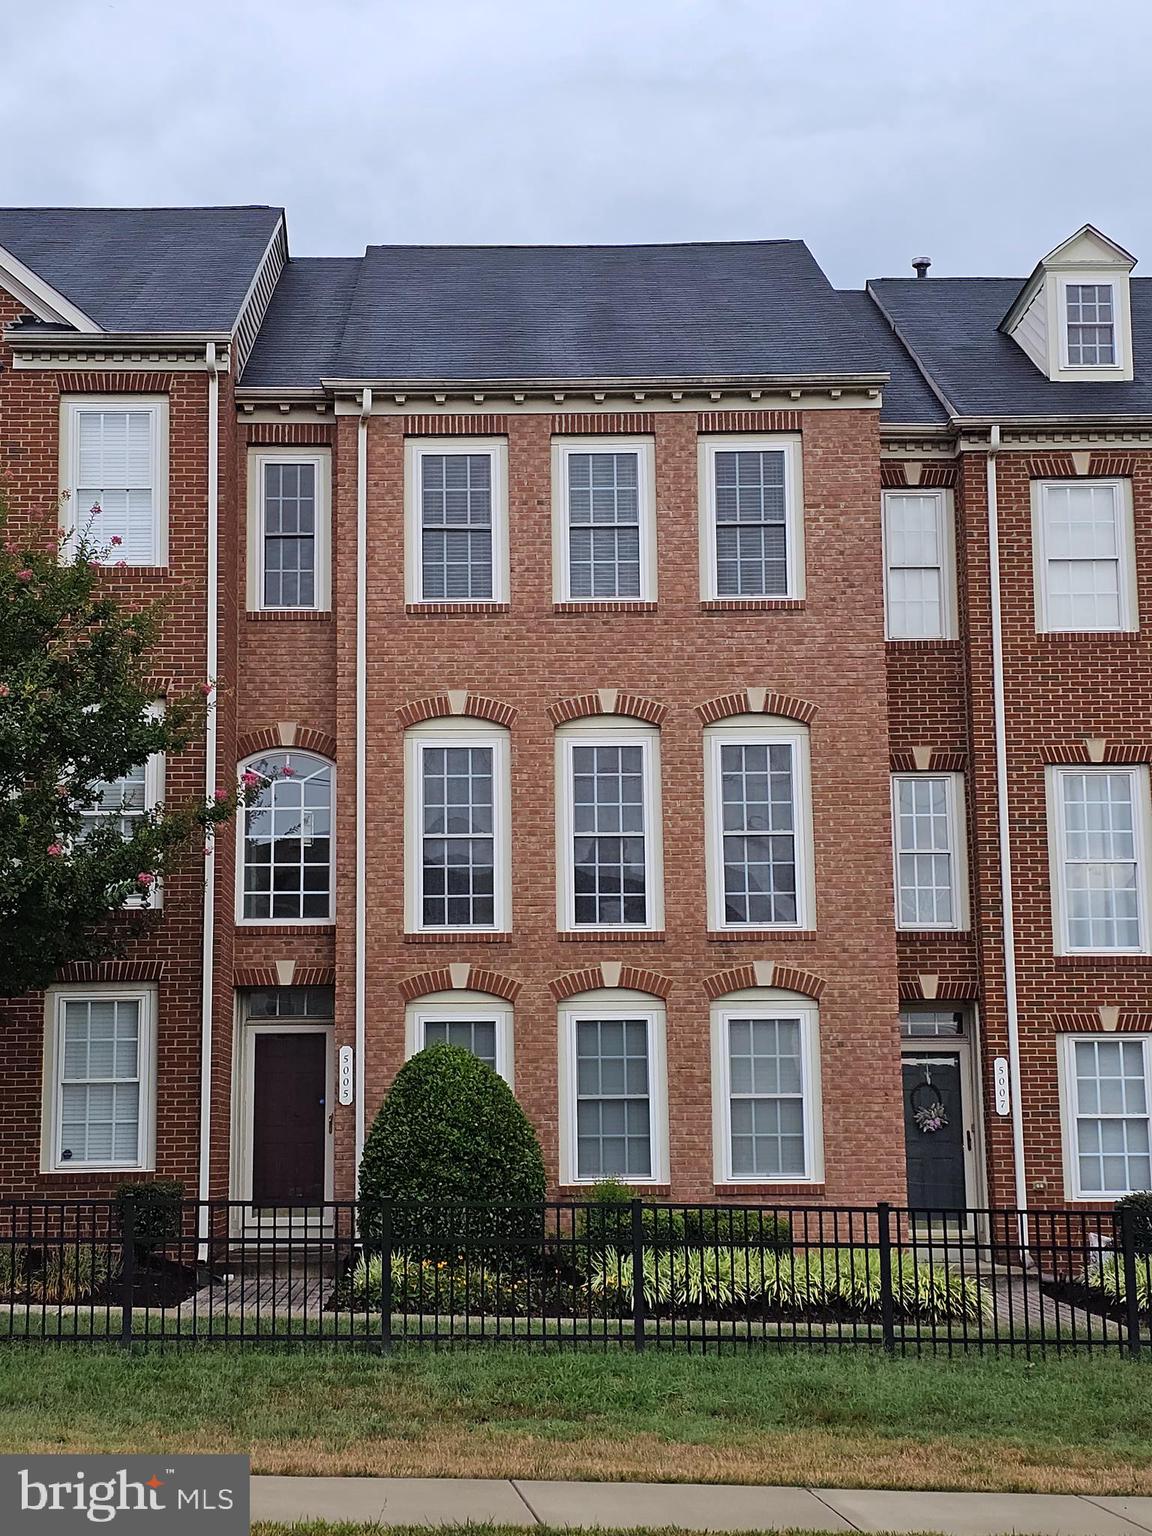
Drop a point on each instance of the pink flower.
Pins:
(221, 794)
(249, 779)
(288, 771)
(94, 565)
(120, 565)
(95, 509)
(145, 879)
(206, 689)
(24, 575)
(55, 850)
(207, 850)
(116, 539)
(4, 690)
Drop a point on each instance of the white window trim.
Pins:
(958, 849)
(1120, 343)
(562, 451)
(766, 1003)
(755, 730)
(415, 451)
(457, 732)
(609, 731)
(609, 1003)
(1054, 796)
(946, 543)
(281, 922)
(258, 460)
(154, 769)
(73, 517)
(50, 1119)
(462, 1007)
(793, 516)
(1129, 617)
(1066, 1071)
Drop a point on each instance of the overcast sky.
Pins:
(979, 133)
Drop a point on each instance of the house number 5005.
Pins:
(346, 1074)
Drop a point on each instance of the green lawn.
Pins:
(847, 1420)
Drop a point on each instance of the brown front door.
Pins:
(288, 1118)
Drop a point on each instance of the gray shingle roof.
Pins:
(591, 312)
(304, 323)
(950, 324)
(907, 397)
(145, 269)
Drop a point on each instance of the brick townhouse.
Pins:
(718, 700)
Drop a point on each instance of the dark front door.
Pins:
(934, 1131)
(288, 1118)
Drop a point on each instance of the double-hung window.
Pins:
(613, 1089)
(457, 546)
(1099, 838)
(98, 1083)
(115, 472)
(927, 823)
(1090, 320)
(766, 1090)
(918, 565)
(608, 803)
(759, 835)
(1108, 1126)
(285, 868)
(1084, 561)
(457, 824)
(289, 530)
(476, 1021)
(752, 524)
(605, 533)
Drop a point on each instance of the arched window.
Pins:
(478, 1021)
(285, 865)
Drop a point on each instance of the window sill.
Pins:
(289, 616)
(583, 1190)
(945, 644)
(933, 933)
(752, 605)
(1097, 962)
(777, 1191)
(759, 935)
(454, 610)
(286, 930)
(611, 936)
(594, 607)
(1087, 636)
(465, 936)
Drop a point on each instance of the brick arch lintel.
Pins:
(937, 760)
(607, 701)
(763, 973)
(590, 978)
(945, 990)
(112, 970)
(757, 701)
(270, 739)
(302, 976)
(460, 978)
(456, 701)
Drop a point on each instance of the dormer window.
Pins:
(1091, 325)
(1073, 315)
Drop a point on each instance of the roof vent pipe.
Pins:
(921, 264)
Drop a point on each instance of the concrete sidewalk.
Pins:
(691, 1506)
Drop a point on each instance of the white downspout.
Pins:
(1004, 835)
(211, 662)
(361, 755)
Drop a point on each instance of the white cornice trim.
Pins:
(42, 299)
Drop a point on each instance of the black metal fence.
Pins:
(575, 1274)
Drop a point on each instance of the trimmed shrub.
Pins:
(1141, 1207)
(451, 1135)
(157, 1212)
(607, 1223)
(844, 1281)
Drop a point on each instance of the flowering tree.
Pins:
(76, 716)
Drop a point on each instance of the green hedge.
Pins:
(607, 1223)
(157, 1212)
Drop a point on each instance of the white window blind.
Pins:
(1082, 533)
(1113, 1147)
(1100, 852)
(915, 553)
(99, 1076)
(115, 470)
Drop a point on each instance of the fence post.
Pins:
(1131, 1300)
(127, 1266)
(638, 1304)
(887, 1300)
(386, 1276)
